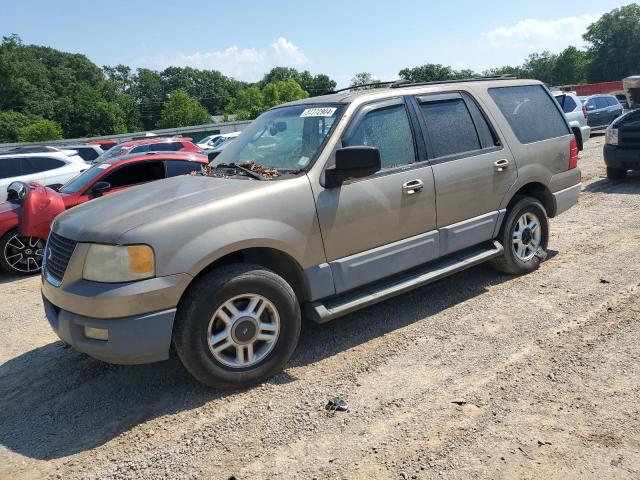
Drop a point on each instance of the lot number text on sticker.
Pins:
(318, 112)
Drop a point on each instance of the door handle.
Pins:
(412, 186)
(501, 165)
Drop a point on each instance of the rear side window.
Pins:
(181, 167)
(530, 111)
(601, 102)
(487, 137)
(388, 129)
(135, 173)
(613, 102)
(567, 103)
(450, 127)
(10, 167)
(87, 153)
(40, 164)
(166, 147)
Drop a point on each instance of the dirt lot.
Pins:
(477, 376)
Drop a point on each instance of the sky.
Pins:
(244, 39)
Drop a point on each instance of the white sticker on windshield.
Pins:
(104, 166)
(318, 112)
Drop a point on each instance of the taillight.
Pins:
(585, 112)
(573, 154)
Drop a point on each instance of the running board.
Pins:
(324, 311)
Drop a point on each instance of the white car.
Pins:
(52, 169)
(213, 141)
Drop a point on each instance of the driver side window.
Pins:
(135, 174)
(386, 128)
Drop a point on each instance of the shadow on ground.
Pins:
(55, 402)
(628, 186)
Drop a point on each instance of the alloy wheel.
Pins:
(527, 236)
(24, 254)
(243, 330)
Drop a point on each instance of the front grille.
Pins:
(58, 254)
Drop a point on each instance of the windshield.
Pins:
(285, 138)
(79, 182)
(112, 152)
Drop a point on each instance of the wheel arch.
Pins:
(273, 259)
(538, 191)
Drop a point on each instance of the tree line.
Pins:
(48, 94)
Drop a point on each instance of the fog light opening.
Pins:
(96, 333)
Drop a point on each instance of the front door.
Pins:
(383, 224)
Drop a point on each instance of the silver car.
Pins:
(319, 208)
(576, 114)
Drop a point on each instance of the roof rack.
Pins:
(407, 83)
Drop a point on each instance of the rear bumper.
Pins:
(135, 339)
(566, 198)
(625, 158)
(585, 132)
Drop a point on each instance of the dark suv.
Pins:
(601, 110)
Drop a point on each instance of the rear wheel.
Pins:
(237, 325)
(21, 255)
(523, 234)
(616, 173)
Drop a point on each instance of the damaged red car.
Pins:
(25, 218)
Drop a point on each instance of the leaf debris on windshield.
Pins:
(222, 171)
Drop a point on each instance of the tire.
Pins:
(616, 173)
(205, 313)
(521, 248)
(21, 255)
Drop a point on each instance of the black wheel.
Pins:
(21, 255)
(524, 232)
(616, 173)
(236, 326)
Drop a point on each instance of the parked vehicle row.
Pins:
(25, 220)
(321, 206)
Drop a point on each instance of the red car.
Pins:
(26, 218)
(150, 144)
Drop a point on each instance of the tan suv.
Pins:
(319, 207)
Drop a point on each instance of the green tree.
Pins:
(11, 122)
(363, 78)
(40, 131)
(182, 111)
(541, 66)
(282, 91)
(247, 104)
(504, 70)
(570, 67)
(614, 44)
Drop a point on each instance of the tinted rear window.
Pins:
(601, 102)
(40, 164)
(450, 127)
(530, 111)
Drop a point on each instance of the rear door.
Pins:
(471, 167)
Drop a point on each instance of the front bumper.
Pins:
(625, 158)
(135, 339)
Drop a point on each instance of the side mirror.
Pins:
(352, 162)
(17, 192)
(99, 188)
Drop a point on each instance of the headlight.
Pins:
(611, 136)
(118, 263)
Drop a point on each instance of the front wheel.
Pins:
(524, 234)
(21, 255)
(236, 326)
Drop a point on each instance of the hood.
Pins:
(106, 219)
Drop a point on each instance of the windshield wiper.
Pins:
(248, 172)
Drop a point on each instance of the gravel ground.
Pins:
(479, 375)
